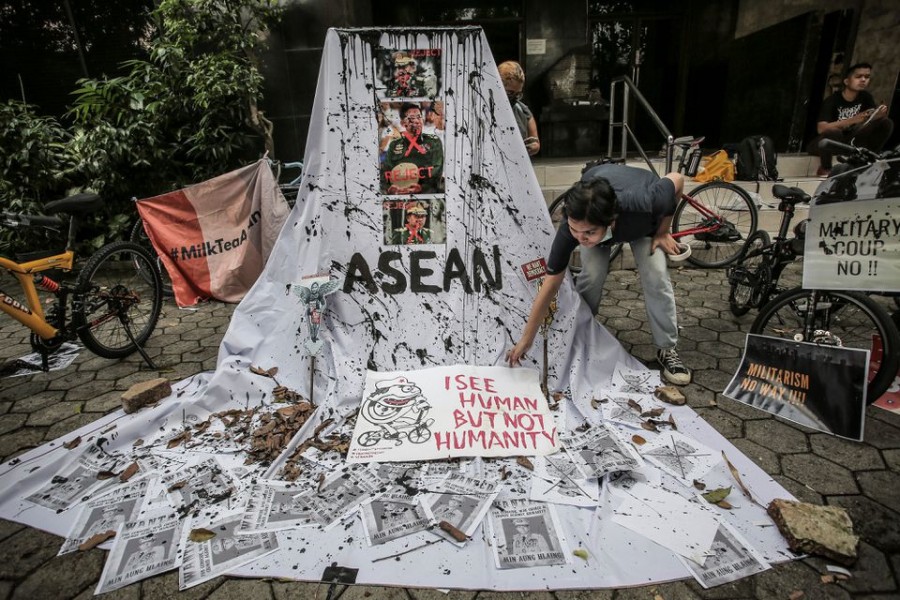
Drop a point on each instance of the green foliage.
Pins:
(34, 162)
(186, 113)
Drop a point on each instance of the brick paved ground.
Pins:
(863, 478)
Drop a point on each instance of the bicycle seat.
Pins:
(686, 141)
(791, 195)
(78, 204)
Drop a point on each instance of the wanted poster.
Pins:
(274, 506)
(227, 550)
(462, 502)
(526, 534)
(455, 411)
(408, 72)
(339, 495)
(392, 516)
(199, 486)
(822, 386)
(599, 451)
(729, 558)
(78, 480)
(143, 548)
(558, 479)
(681, 457)
(106, 513)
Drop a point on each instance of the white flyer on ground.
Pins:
(668, 519)
(558, 479)
(142, 548)
(633, 381)
(77, 480)
(680, 456)
(729, 558)
(339, 495)
(526, 534)
(599, 450)
(630, 409)
(274, 506)
(199, 486)
(226, 551)
(392, 516)
(121, 505)
(462, 502)
(444, 412)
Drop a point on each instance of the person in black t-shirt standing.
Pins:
(851, 116)
(615, 203)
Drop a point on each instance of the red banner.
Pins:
(215, 237)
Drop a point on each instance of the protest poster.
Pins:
(120, 505)
(729, 558)
(680, 456)
(227, 550)
(274, 506)
(392, 516)
(526, 534)
(462, 502)
(339, 495)
(143, 548)
(853, 246)
(198, 486)
(446, 412)
(77, 481)
(558, 479)
(599, 450)
(408, 72)
(818, 386)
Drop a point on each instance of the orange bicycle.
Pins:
(112, 305)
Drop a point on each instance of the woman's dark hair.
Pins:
(593, 201)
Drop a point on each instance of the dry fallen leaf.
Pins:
(635, 405)
(638, 440)
(321, 481)
(595, 404)
(717, 495)
(653, 412)
(138, 442)
(455, 533)
(72, 443)
(101, 475)
(200, 535)
(737, 477)
(672, 421)
(184, 436)
(796, 595)
(129, 472)
(504, 474)
(259, 371)
(177, 485)
(699, 485)
(272, 372)
(523, 461)
(558, 396)
(649, 426)
(96, 540)
(724, 504)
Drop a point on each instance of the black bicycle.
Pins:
(754, 279)
(828, 317)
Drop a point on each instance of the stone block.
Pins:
(145, 393)
(811, 529)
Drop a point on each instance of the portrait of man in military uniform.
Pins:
(408, 73)
(413, 230)
(414, 161)
(406, 82)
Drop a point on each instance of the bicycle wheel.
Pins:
(119, 287)
(556, 216)
(728, 215)
(750, 276)
(139, 236)
(839, 318)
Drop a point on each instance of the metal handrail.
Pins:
(629, 87)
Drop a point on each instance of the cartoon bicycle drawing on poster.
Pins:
(398, 408)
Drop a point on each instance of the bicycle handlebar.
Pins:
(848, 149)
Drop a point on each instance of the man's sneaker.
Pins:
(673, 370)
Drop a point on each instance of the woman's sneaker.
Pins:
(673, 370)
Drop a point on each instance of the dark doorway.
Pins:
(646, 49)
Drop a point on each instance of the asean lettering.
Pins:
(424, 276)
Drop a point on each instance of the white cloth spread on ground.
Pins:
(400, 306)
